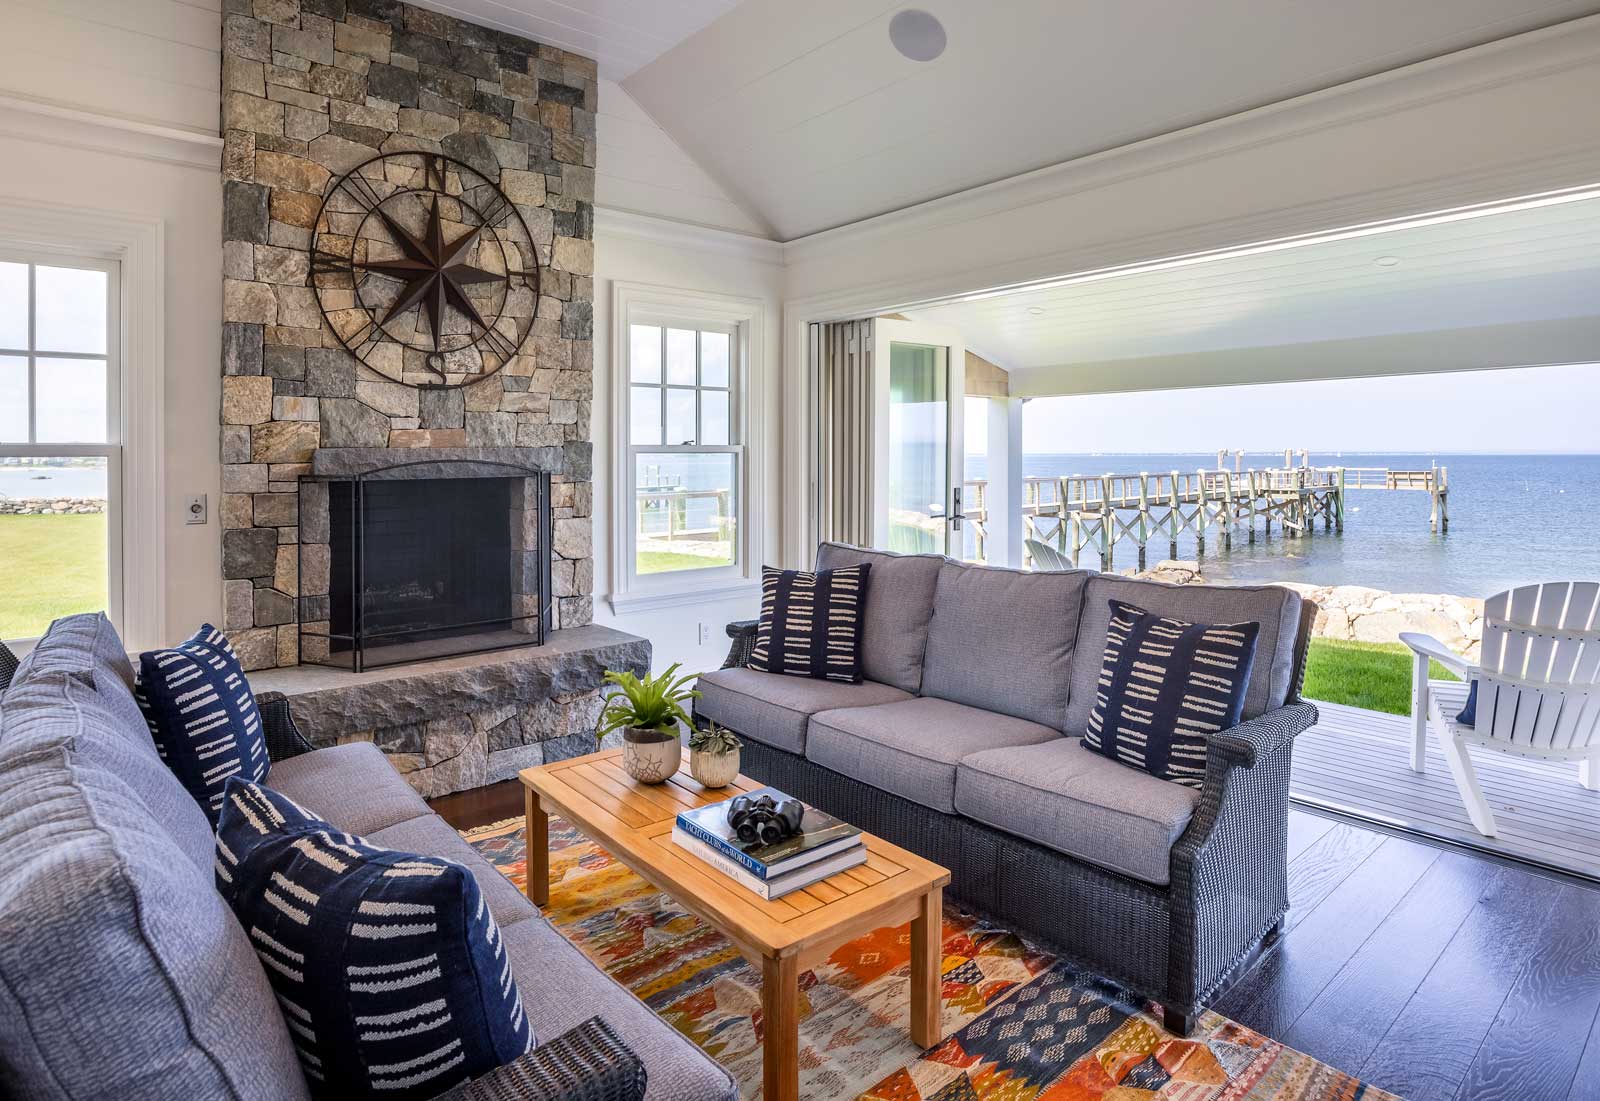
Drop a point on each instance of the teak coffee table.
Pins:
(633, 821)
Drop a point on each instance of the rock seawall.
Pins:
(51, 506)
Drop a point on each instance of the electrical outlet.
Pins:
(194, 509)
(705, 633)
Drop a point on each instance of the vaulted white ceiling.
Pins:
(621, 35)
(1537, 265)
(806, 115)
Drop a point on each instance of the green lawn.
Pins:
(50, 566)
(1374, 675)
(662, 561)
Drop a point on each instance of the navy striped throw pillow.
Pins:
(1165, 685)
(202, 715)
(811, 623)
(390, 971)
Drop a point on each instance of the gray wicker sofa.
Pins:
(124, 974)
(963, 744)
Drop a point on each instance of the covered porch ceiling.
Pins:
(1517, 287)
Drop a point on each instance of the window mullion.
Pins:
(33, 366)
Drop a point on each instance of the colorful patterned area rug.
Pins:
(1021, 1025)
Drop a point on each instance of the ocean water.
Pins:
(53, 481)
(1514, 519)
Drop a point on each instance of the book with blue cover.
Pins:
(821, 835)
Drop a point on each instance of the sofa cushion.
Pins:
(203, 715)
(1165, 685)
(391, 971)
(1003, 640)
(773, 709)
(1276, 609)
(87, 645)
(561, 989)
(1078, 802)
(899, 606)
(352, 786)
(122, 971)
(911, 748)
(811, 623)
(430, 835)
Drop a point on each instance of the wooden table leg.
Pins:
(780, 1012)
(536, 851)
(927, 960)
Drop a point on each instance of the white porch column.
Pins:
(1005, 482)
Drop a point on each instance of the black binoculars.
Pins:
(764, 819)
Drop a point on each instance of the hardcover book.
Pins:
(779, 885)
(820, 835)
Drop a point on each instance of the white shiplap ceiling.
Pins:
(806, 114)
(621, 35)
(1530, 265)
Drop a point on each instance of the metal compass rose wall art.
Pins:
(424, 270)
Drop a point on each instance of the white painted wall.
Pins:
(698, 261)
(640, 169)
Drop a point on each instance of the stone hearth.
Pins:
(463, 722)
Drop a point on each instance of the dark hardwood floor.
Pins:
(1438, 975)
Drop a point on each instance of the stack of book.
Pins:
(824, 846)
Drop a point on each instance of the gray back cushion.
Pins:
(1003, 640)
(1276, 609)
(122, 972)
(899, 606)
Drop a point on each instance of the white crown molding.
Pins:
(668, 232)
(75, 128)
(1537, 53)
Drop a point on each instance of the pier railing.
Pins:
(1099, 511)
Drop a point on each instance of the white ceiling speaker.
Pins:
(1387, 261)
(917, 34)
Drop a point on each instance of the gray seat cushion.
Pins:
(1080, 803)
(352, 786)
(88, 645)
(894, 631)
(561, 989)
(912, 748)
(430, 835)
(1003, 640)
(773, 709)
(1277, 610)
(122, 971)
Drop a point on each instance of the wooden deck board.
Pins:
(1356, 762)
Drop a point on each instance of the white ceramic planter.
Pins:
(714, 770)
(648, 757)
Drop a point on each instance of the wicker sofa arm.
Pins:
(585, 1063)
(283, 737)
(743, 633)
(1244, 744)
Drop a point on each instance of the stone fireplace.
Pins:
(422, 496)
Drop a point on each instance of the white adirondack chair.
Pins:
(1538, 688)
(1047, 558)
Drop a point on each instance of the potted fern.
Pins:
(714, 755)
(648, 710)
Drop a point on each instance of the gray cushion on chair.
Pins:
(430, 835)
(1003, 640)
(561, 989)
(122, 971)
(773, 709)
(352, 786)
(911, 748)
(1277, 610)
(1081, 803)
(899, 606)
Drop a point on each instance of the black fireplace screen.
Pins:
(423, 560)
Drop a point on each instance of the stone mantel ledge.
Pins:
(330, 704)
(571, 460)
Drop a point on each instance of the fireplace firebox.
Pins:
(423, 560)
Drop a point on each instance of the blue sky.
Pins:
(1543, 409)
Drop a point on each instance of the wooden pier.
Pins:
(1099, 511)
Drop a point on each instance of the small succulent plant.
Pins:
(647, 703)
(715, 740)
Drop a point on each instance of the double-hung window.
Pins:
(683, 380)
(60, 441)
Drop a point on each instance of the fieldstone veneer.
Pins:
(312, 88)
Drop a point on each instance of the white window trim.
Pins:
(746, 317)
(137, 341)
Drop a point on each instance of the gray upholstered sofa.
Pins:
(123, 974)
(963, 744)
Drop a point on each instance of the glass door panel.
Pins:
(919, 378)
